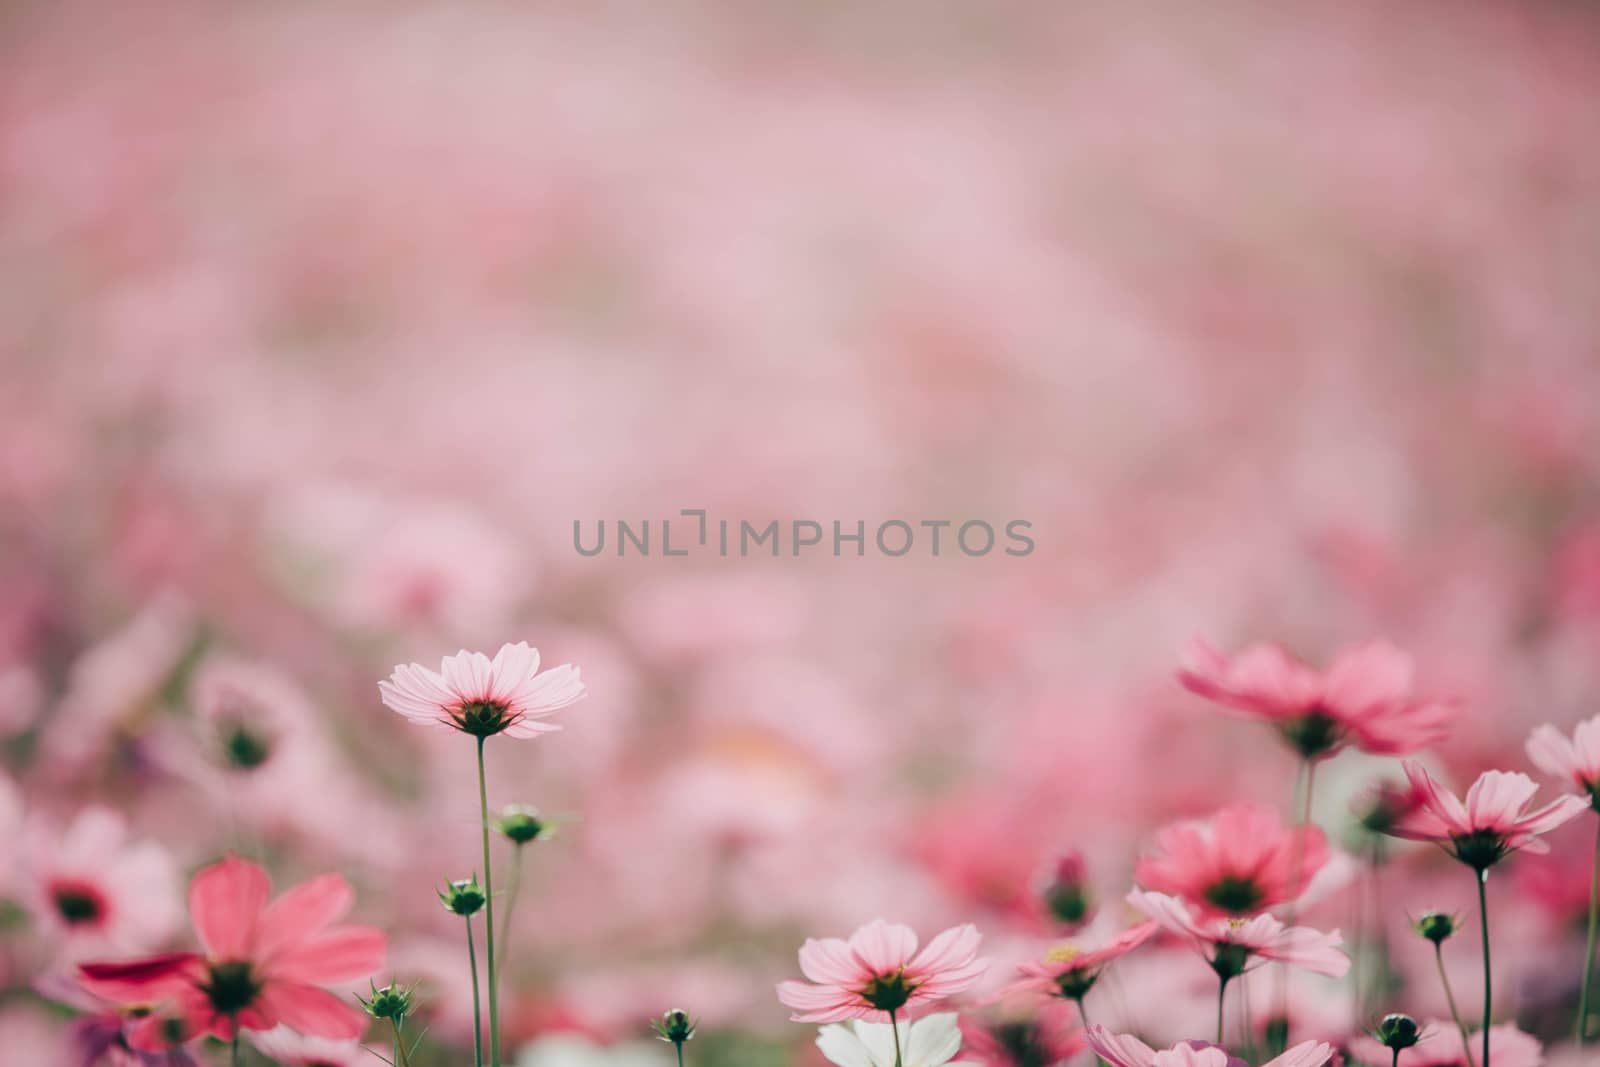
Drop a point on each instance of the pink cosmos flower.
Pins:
(1125, 1050)
(264, 963)
(1238, 862)
(1363, 698)
(291, 1049)
(95, 889)
(1441, 1046)
(1491, 824)
(479, 696)
(1070, 972)
(1233, 945)
(879, 972)
(1576, 760)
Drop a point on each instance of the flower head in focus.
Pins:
(1239, 862)
(1575, 760)
(1233, 946)
(1491, 824)
(926, 1042)
(1125, 1050)
(1069, 971)
(879, 972)
(264, 961)
(1363, 698)
(481, 696)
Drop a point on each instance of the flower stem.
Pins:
(679, 1046)
(488, 905)
(401, 1059)
(477, 1012)
(504, 937)
(235, 1057)
(1588, 952)
(1222, 993)
(1488, 997)
(1450, 997)
(894, 1028)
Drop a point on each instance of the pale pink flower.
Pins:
(479, 696)
(1441, 1046)
(265, 962)
(97, 890)
(1125, 1050)
(1364, 698)
(1069, 971)
(1235, 945)
(878, 974)
(1240, 861)
(1575, 759)
(1492, 823)
(292, 1049)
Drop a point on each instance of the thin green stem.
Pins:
(1450, 998)
(1588, 952)
(679, 1046)
(477, 1012)
(488, 894)
(1222, 994)
(1488, 993)
(503, 939)
(1396, 1061)
(235, 1057)
(401, 1057)
(894, 1028)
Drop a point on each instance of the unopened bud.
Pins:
(465, 897)
(1398, 1031)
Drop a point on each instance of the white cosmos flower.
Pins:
(925, 1042)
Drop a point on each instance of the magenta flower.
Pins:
(1575, 759)
(1233, 946)
(878, 973)
(1364, 697)
(264, 963)
(1240, 861)
(1069, 971)
(1492, 824)
(1125, 1050)
(482, 697)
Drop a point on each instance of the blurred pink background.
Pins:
(319, 329)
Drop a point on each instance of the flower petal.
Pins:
(226, 901)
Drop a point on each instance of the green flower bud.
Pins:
(391, 1002)
(520, 824)
(1398, 1031)
(465, 897)
(674, 1026)
(1436, 926)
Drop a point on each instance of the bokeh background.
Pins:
(320, 326)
